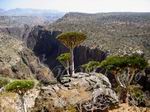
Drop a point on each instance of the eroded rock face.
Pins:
(17, 61)
(84, 89)
(47, 48)
(11, 102)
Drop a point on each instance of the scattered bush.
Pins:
(137, 94)
(20, 85)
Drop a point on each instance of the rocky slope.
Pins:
(17, 61)
(48, 48)
(15, 21)
(84, 92)
(118, 33)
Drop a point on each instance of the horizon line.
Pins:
(79, 11)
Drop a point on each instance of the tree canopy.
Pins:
(64, 57)
(91, 66)
(71, 39)
(114, 62)
(64, 60)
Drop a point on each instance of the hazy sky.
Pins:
(90, 6)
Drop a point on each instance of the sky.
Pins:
(90, 6)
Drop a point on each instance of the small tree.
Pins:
(124, 69)
(91, 66)
(20, 87)
(64, 60)
(71, 40)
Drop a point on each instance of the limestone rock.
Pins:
(81, 90)
(10, 102)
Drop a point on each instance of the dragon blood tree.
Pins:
(64, 59)
(71, 40)
(20, 87)
(124, 69)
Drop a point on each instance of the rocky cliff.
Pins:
(45, 45)
(84, 92)
(17, 61)
(48, 48)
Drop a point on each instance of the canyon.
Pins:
(29, 49)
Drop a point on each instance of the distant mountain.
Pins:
(1, 11)
(31, 12)
(18, 17)
(117, 33)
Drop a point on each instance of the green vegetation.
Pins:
(91, 66)
(71, 40)
(136, 93)
(124, 68)
(64, 60)
(20, 87)
(4, 81)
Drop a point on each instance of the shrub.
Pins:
(137, 94)
(20, 85)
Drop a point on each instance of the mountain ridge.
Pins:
(118, 33)
(30, 12)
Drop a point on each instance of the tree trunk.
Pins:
(124, 95)
(23, 103)
(119, 82)
(131, 78)
(72, 62)
(67, 68)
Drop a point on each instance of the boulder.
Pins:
(84, 89)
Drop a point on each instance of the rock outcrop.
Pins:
(11, 102)
(83, 91)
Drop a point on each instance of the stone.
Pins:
(65, 80)
(79, 90)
